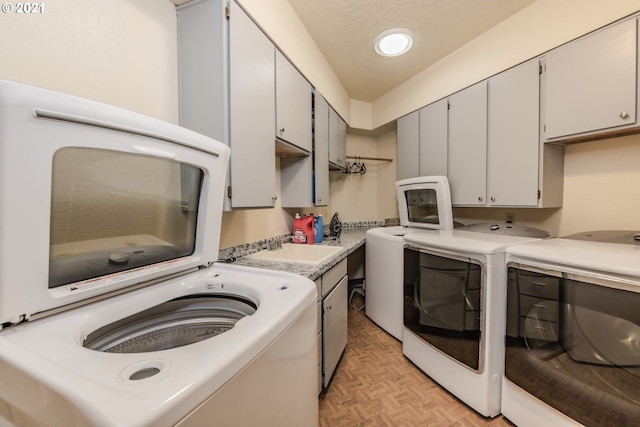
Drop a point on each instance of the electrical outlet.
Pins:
(511, 218)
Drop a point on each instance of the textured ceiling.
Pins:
(344, 31)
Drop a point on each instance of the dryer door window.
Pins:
(443, 304)
(575, 344)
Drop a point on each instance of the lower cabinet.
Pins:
(332, 320)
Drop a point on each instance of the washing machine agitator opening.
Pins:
(176, 323)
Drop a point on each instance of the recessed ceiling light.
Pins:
(393, 42)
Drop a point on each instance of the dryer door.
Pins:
(573, 342)
(443, 303)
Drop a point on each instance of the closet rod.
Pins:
(370, 158)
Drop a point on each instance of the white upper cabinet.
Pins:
(591, 83)
(434, 138)
(252, 113)
(513, 141)
(293, 105)
(467, 163)
(408, 135)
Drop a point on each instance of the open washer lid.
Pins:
(96, 199)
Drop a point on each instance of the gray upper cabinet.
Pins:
(321, 150)
(252, 113)
(591, 83)
(513, 141)
(434, 136)
(337, 140)
(423, 141)
(293, 105)
(485, 139)
(521, 172)
(227, 92)
(202, 52)
(467, 163)
(408, 135)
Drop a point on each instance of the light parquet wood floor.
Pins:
(375, 385)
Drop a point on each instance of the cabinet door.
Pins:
(295, 182)
(321, 150)
(468, 145)
(337, 139)
(408, 135)
(202, 66)
(434, 138)
(333, 135)
(591, 83)
(342, 142)
(293, 104)
(513, 142)
(334, 328)
(252, 113)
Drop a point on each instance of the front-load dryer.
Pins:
(454, 292)
(572, 353)
(113, 308)
(424, 205)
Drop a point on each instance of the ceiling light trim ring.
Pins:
(393, 42)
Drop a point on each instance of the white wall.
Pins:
(120, 52)
(601, 186)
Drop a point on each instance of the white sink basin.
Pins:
(290, 252)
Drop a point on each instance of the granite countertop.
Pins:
(350, 239)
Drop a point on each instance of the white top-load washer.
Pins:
(424, 205)
(113, 309)
(454, 292)
(572, 353)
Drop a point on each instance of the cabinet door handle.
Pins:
(480, 199)
(624, 115)
(281, 130)
(493, 199)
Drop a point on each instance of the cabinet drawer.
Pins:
(546, 287)
(331, 278)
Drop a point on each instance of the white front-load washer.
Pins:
(454, 291)
(113, 308)
(424, 205)
(572, 353)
